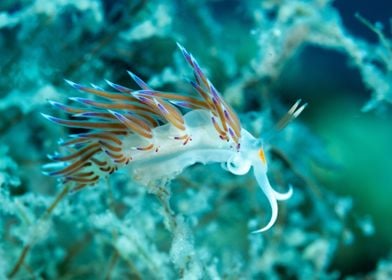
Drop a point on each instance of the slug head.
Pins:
(252, 155)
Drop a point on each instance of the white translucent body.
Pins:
(205, 147)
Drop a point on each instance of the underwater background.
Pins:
(262, 56)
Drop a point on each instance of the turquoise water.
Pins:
(261, 56)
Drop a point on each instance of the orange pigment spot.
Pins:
(262, 156)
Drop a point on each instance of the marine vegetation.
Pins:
(156, 172)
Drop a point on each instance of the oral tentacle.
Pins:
(272, 196)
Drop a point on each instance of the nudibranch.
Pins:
(146, 131)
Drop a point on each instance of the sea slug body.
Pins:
(145, 132)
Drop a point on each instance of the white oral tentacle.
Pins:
(238, 165)
(272, 196)
(283, 196)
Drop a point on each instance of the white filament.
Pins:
(238, 165)
(272, 195)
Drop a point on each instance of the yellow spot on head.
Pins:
(262, 156)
